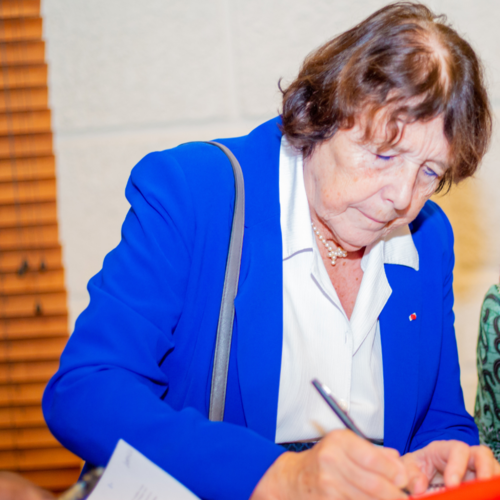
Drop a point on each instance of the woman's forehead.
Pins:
(402, 137)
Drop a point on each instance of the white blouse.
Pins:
(319, 341)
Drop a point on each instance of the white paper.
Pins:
(131, 476)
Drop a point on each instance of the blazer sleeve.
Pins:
(110, 384)
(446, 417)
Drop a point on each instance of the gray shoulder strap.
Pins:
(226, 315)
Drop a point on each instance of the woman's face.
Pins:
(358, 193)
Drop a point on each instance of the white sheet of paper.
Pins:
(131, 476)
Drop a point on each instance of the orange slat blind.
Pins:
(33, 313)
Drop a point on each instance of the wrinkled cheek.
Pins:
(419, 199)
(425, 192)
(327, 195)
(332, 203)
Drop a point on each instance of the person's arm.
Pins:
(342, 466)
(110, 383)
(446, 417)
(486, 412)
(447, 439)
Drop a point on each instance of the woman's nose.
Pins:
(402, 186)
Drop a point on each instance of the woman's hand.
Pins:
(15, 487)
(341, 466)
(454, 460)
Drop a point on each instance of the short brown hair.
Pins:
(402, 56)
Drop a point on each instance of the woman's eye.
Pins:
(384, 158)
(428, 171)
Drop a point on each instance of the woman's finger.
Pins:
(352, 492)
(482, 462)
(370, 483)
(391, 452)
(346, 481)
(418, 481)
(375, 460)
(456, 455)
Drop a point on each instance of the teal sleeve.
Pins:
(487, 408)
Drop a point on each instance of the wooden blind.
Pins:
(33, 311)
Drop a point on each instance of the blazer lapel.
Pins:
(400, 353)
(259, 326)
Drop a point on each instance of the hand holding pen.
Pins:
(428, 468)
(344, 417)
(342, 465)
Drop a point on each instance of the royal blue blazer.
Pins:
(139, 363)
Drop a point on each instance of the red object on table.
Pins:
(488, 489)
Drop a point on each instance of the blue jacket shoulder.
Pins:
(432, 226)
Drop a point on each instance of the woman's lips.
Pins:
(373, 219)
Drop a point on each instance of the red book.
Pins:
(488, 489)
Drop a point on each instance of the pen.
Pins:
(332, 403)
(344, 417)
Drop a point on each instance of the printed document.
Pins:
(131, 476)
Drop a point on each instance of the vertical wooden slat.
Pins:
(33, 311)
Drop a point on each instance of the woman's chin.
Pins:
(357, 242)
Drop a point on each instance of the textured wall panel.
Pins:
(128, 77)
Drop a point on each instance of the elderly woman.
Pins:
(346, 275)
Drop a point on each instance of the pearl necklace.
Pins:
(333, 253)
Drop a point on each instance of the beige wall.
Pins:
(129, 77)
